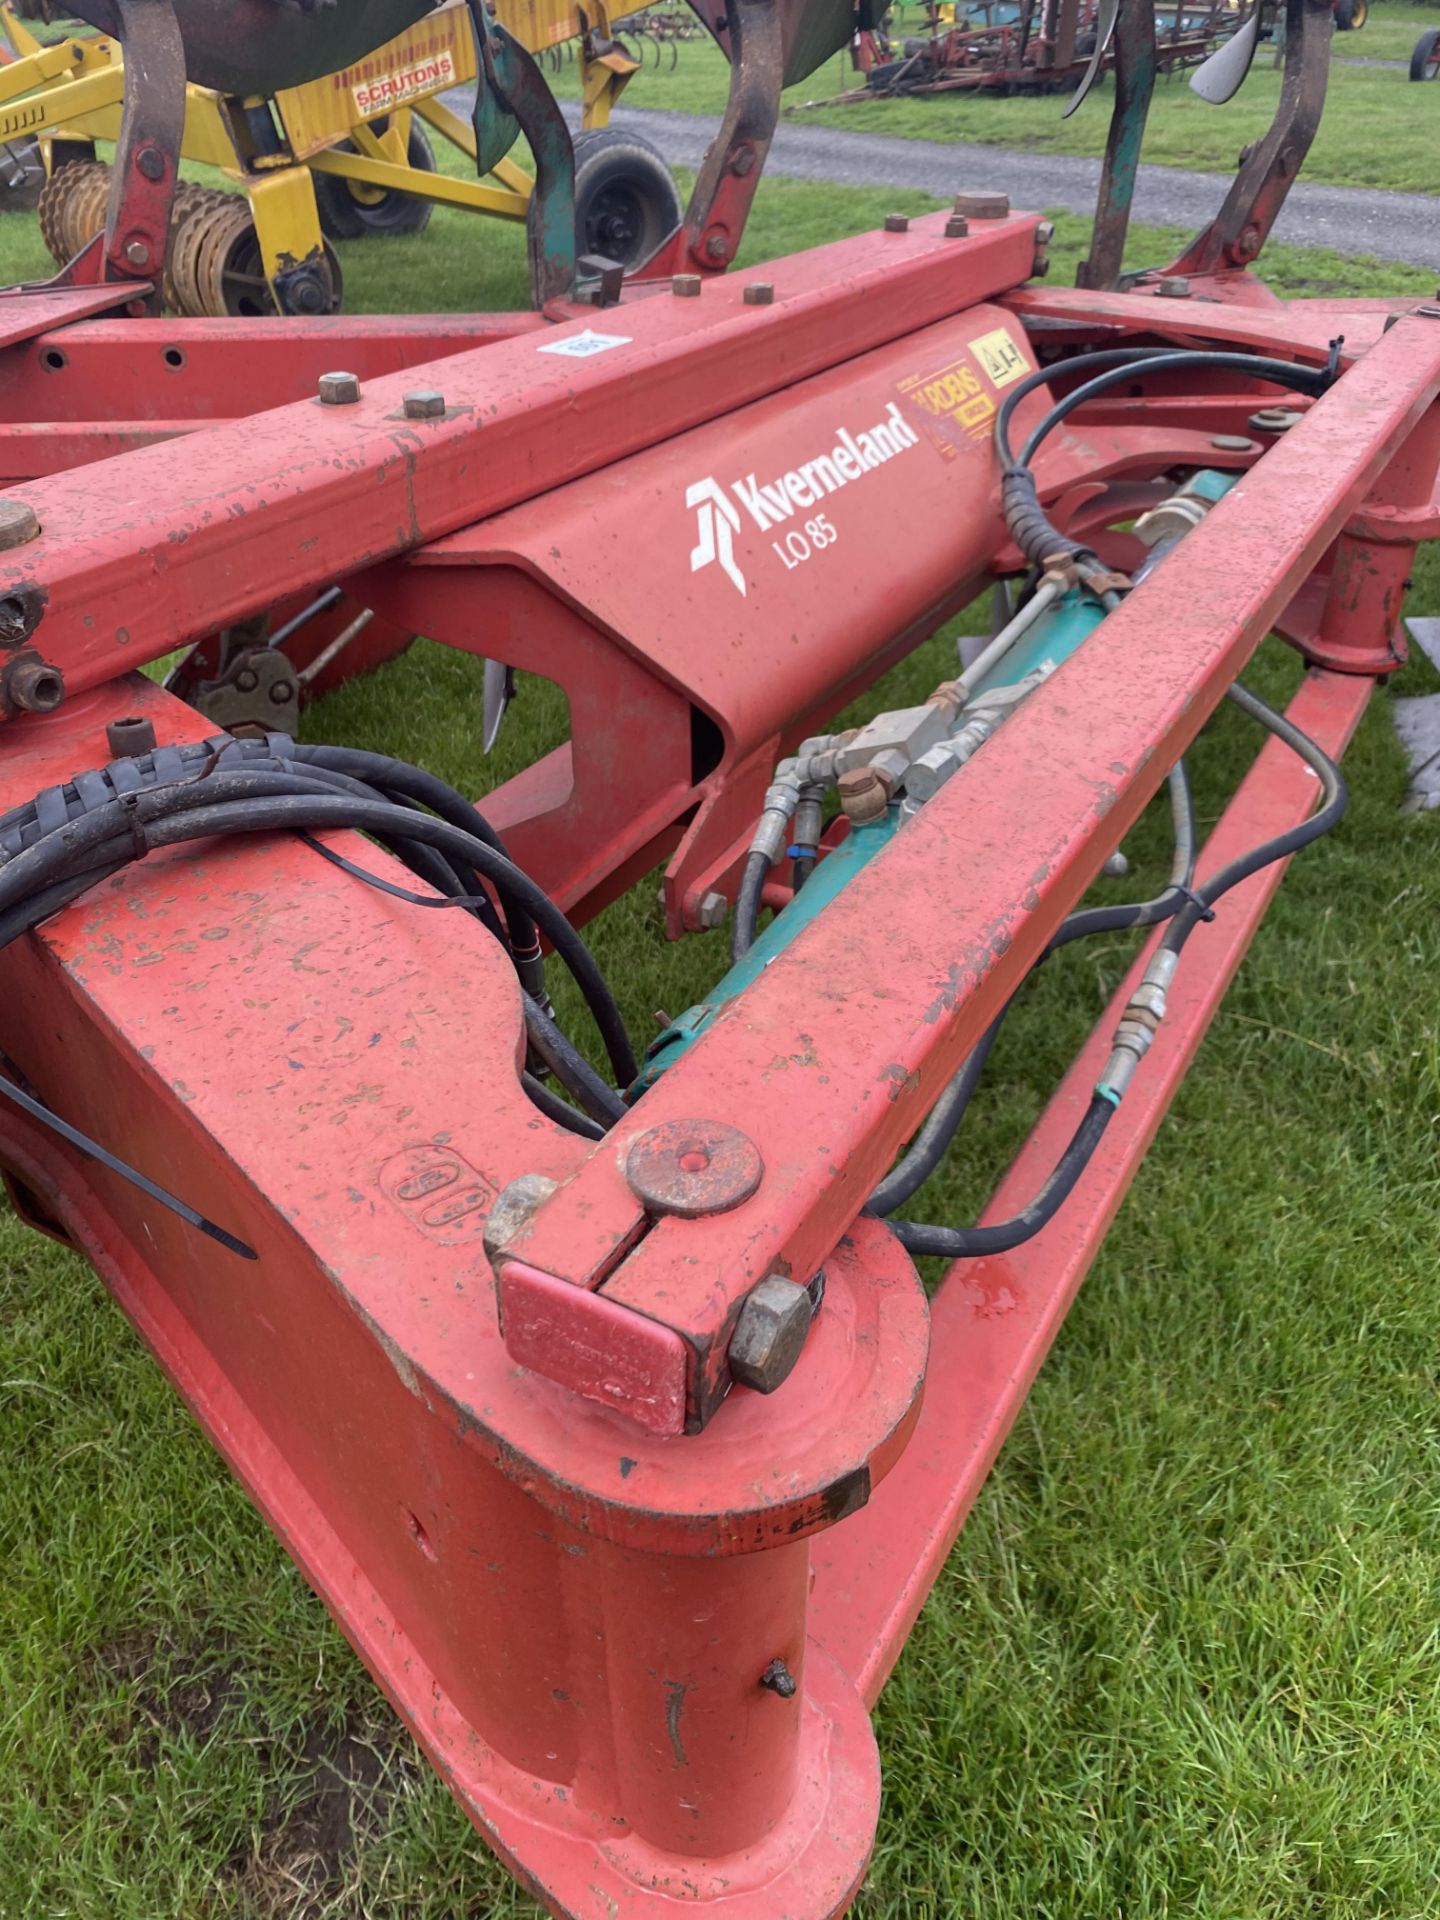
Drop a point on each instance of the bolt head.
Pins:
(759, 293)
(983, 206)
(713, 910)
(1274, 420)
(137, 253)
(339, 389)
(1233, 443)
(685, 286)
(247, 680)
(512, 1210)
(1174, 286)
(716, 247)
(425, 403)
(151, 163)
(770, 1333)
(18, 523)
(956, 227)
(282, 692)
(896, 223)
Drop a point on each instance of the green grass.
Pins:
(1183, 1661)
(1350, 148)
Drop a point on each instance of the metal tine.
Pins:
(1105, 19)
(1221, 77)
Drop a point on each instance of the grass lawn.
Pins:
(1184, 1660)
(1350, 148)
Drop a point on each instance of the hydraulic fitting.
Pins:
(864, 794)
(1138, 1025)
(906, 733)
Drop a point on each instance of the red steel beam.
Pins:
(826, 1061)
(993, 1320)
(140, 554)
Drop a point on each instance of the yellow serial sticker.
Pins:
(1001, 359)
(953, 404)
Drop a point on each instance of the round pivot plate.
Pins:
(693, 1167)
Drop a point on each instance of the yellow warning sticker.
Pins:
(953, 405)
(1000, 358)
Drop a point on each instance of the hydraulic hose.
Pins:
(70, 837)
(747, 905)
(1186, 909)
(1038, 538)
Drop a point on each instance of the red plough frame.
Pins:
(574, 1553)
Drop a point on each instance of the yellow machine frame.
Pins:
(73, 91)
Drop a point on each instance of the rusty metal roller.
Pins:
(262, 46)
(63, 202)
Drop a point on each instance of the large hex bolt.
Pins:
(769, 1335)
(339, 389)
(425, 403)
(713, 911)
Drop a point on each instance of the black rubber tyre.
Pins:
(345, 215)
(626, 202)
(1344, 15)
(1425, 60)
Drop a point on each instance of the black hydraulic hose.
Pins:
(942, 1123)
(72, 837)
(932, 1142)
(1034, 533)
(747, 905)
(264, 802)
(570, 1067)
(18, 1096)
(1189, 910)
(1334, 800)
(560, 1111)
(425, 790)
(972, 1242)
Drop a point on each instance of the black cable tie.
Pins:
(1332, 365)
(1197, 901)
(139, 839)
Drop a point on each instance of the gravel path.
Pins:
(1391, 226)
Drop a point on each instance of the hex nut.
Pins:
(983, 206)
(896, 223)
(956, 227)
(1174, 286)
(769, 1335)
(137, 253)
(425, 403)
(713, 911)
(32, 686)
(127, 739)
(339, 389)
(759, 293)
(685, 286)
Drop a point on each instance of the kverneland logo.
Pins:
(770, 503)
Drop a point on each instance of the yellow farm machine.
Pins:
(343, 154)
